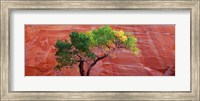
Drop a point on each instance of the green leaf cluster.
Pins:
(80, 41)
(64, 54)
(131, 44)
(101, 36)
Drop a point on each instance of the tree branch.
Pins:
(95, 61)
(79, 56)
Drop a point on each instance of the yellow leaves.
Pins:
(123, 38)
(121, 35)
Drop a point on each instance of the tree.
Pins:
(91, 47)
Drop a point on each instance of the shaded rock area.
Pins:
(156, 58)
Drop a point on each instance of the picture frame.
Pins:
(8, 5)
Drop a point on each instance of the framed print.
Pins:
(99, 50)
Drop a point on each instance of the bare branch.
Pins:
(79, 56)
(90, 67)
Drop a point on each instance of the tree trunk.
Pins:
(81, 69)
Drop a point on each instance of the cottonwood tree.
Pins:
(91, 47)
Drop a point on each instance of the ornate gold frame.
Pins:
(8, 5)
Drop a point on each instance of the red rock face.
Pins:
(156, 58)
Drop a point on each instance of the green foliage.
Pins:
(82, 44)
(102, 36)
(80, 41)
(131, 44)
(64, 55)
(63, 46)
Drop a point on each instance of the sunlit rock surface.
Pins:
(156, 58)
